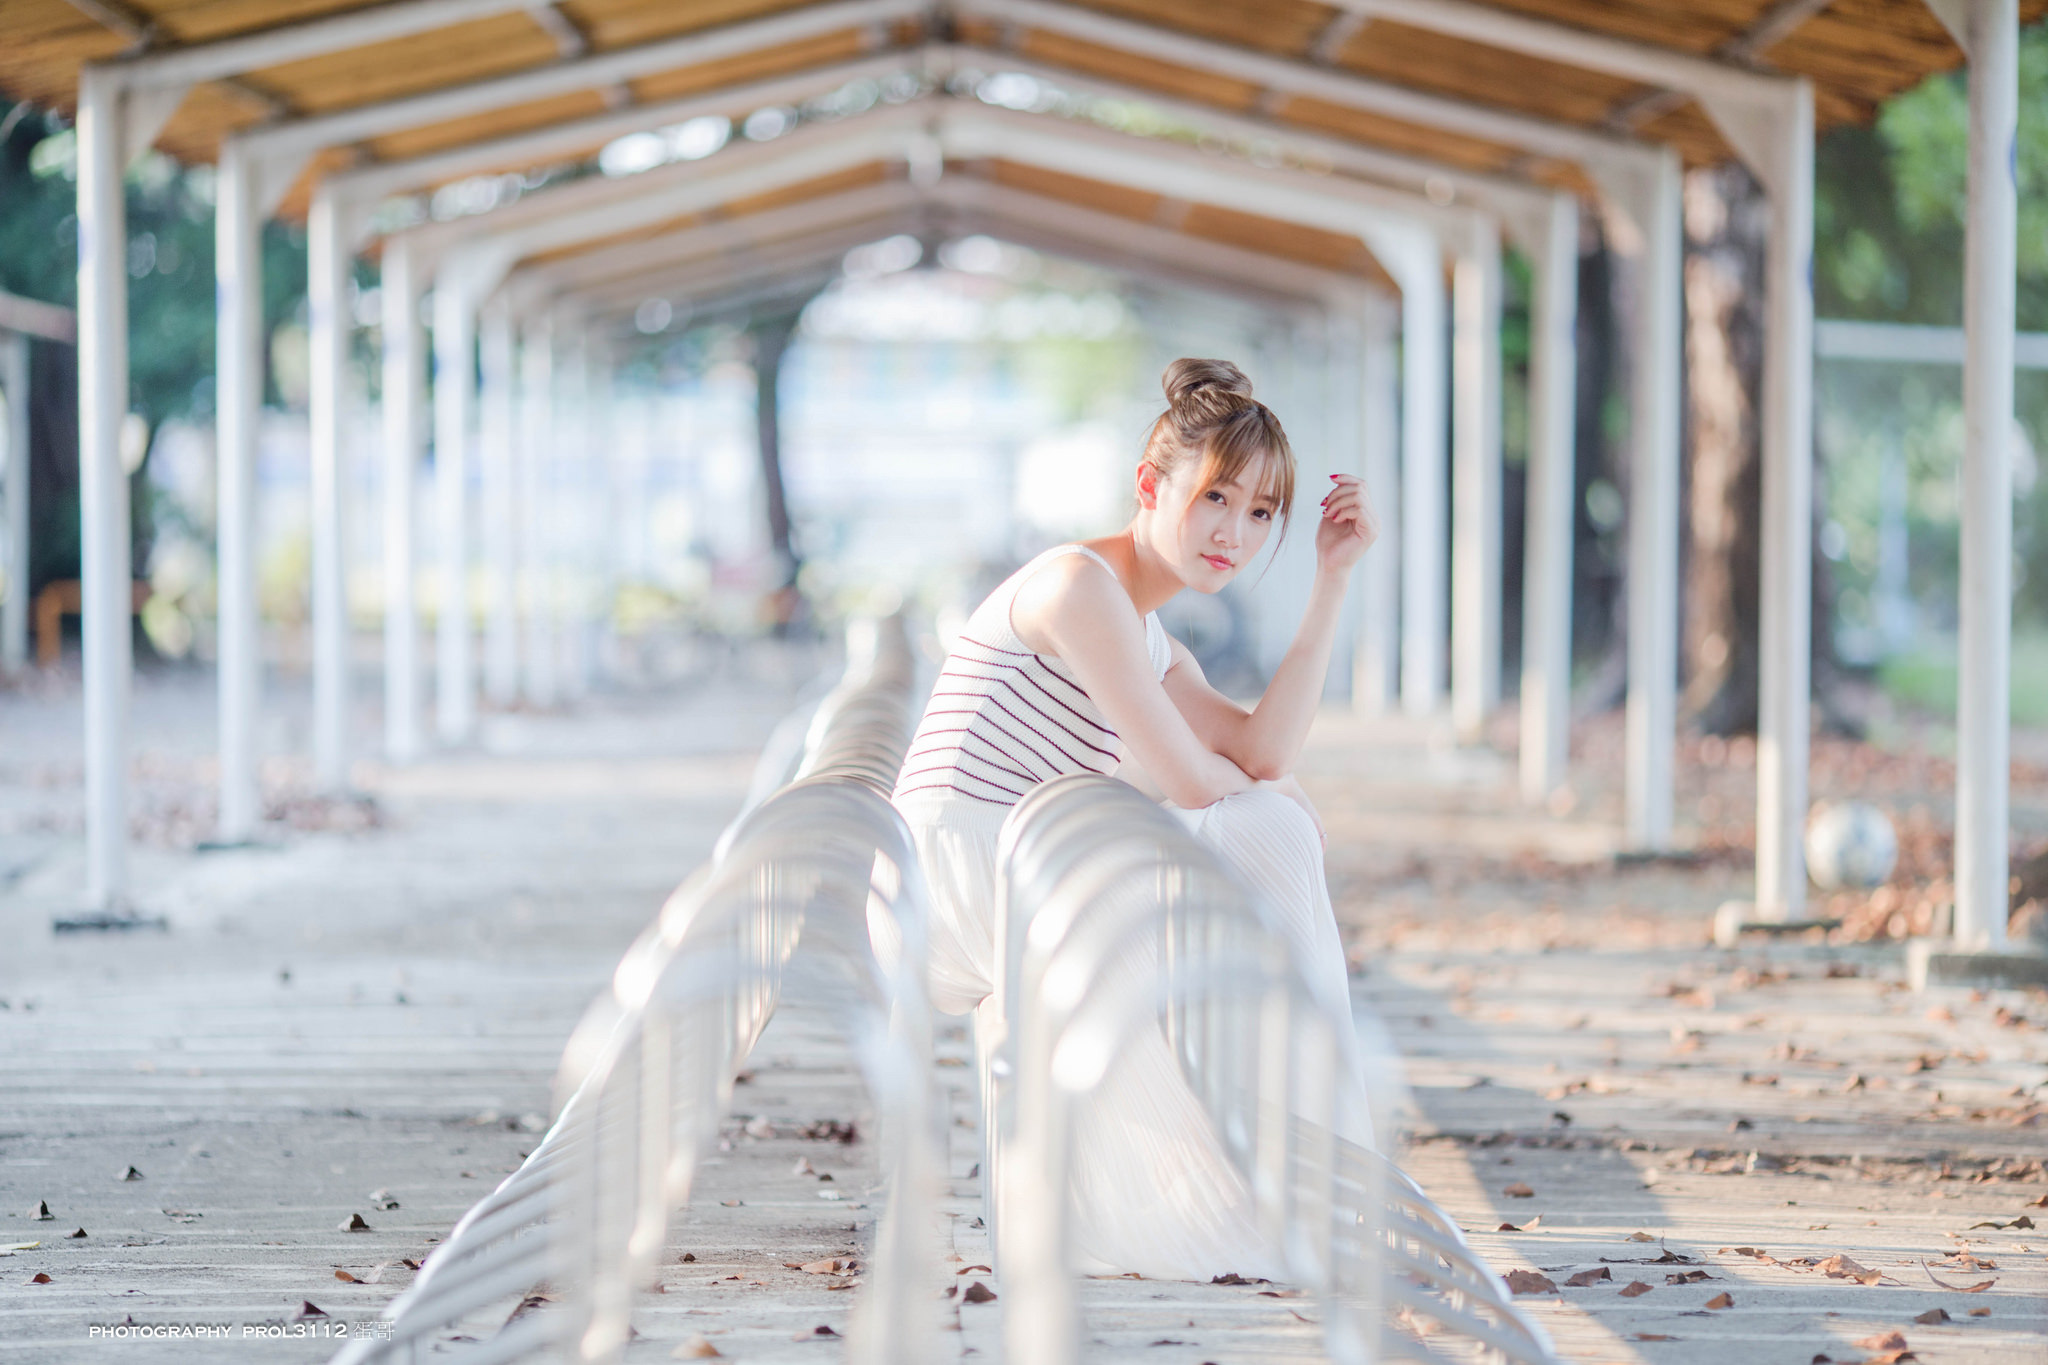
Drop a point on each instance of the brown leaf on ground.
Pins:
(1976, 1288)
(1635, 1289)
(39, 1278)
(1641, 1237)
(2020, 1222)
(732, 1203)
(1507, 1227)
(1651, 1336)
(695, 1348)
(1963, 1260)
(1980, 1312)
(1722, 1300)
(1687, 1277)
(978, 1293)
(355, 1223)
(836, 1265)
(1519, 1191)
(1883, 1341)
(818, 1333)
(1934, 1315)
(2041, 1203)
(307, 1309)
(42, 1213)
(409, 1263)
(970, 1269)
(346, 1278)
(1529, 1282)
(74, 1236)
(130, 1174)
(1843, 1268)
(1586, 1277)
(1533, 1223)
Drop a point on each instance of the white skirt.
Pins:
(1152, 1189)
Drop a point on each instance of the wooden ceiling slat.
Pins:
(1291, 241)
(626, 23)
(1286, 27)
(1414, 138)
(1120, 200)
(1129, 68)
(206, 21)
(1696, 26)
(1688, 128)
(853, 178)
(762, 64)
(474, 51)
(518, 118)
(1464, 70)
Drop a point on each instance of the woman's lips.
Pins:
(1218, 562)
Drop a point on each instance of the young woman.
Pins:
(1065, 668)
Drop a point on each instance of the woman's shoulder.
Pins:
(1068, 586)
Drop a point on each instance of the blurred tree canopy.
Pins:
(1888, 216)
(170, 259)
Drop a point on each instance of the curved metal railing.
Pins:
(1111, 918)
(813, 893)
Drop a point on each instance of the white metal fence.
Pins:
(801, 887)
(1112, 918)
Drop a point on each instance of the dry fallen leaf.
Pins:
(732, 1203)
(1529, 1282)
(695, 1348)
(1641, 1237)
(1507, 1227)
(816, 1333)
(1934, 1315)
(1651, 1336)
(1722, 1300)
(307, 1309)
(1519, 1191)
(978, 1293)
(1976, 1288)
(970, 1269)
(355, 1223)
(39, 1278)
(833, 1266)
(76, 1235)
(1586, 1277)
(346, 1278)
(1842, 1268)
(381, 1199)
(1635, 1289)
(1883, 1341)
(42, 1213)
(1980, 1312)
(130, 1174)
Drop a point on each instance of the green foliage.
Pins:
(1888, 241)
(170, 260)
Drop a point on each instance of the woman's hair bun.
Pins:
(1204, 393)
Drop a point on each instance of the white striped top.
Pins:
(1002, 718)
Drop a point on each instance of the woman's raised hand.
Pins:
(1348, 527)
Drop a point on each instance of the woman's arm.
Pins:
(1078, 612)
(1266, 740)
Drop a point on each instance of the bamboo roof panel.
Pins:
(1093, 59)
(1285, 27)
(474, 51)
(782, 60)
(852, 178)
(1455, 149)
(610, 24)
(1334, 251)
(462, 132)
(1120, 200)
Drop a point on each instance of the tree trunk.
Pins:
(1727, 220)
(771, 339)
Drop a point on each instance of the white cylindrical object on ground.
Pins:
(400, 293)
(1547, 571)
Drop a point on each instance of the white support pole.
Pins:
(575, 458)
(609, 548)
(1983, 700)
(238, 275)
(536, 406)
(1547, 571)
(498, 428)
(1375, 674)
(399, 289)
(1425, 529)
(14, 499)
(327, 266)
(454, 412)
(1343, 428)
(1652, 709)
(105, 616)
(1476, 479)
(1785, 693)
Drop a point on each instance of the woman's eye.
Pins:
(1213, 496)
(1263, 514)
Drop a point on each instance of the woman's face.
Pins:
(1209, 534)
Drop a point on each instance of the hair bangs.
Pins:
(1252, 436)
